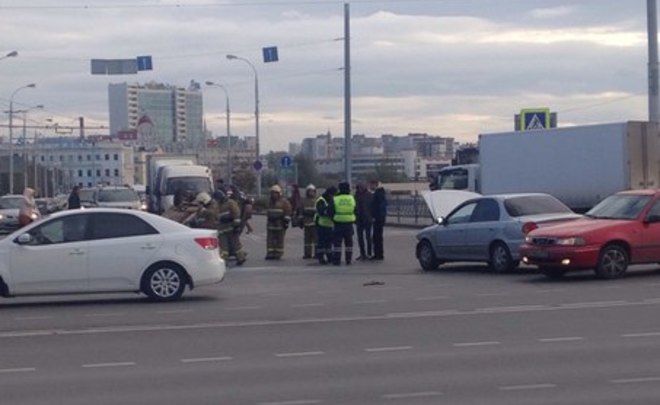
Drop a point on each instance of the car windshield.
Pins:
(10, 203)
(534, 205)
(86, 195)
(620, 206)
(117, 195)
(453, 179)
(192, 185)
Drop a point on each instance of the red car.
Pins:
(623, 229)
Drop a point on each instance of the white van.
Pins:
(192, 179)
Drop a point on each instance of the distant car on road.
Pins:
(10, 204)
(118, 197)
(623, 229)
(488, 229)
(87, 197)
(108, 250)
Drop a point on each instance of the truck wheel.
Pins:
(426, 256)
(500, 258)
(553, 273)
(612, 262)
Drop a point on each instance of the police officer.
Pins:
(278, 215)
(306, 214)
(344, 218)
(229, 228)
(324, 225)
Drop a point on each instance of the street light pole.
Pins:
(256, 114)
(227, 116)
(25, 164)
(11, 135)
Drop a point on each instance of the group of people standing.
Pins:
(330, 221)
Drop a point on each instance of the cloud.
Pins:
(553, 12)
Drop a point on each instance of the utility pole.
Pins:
(347, 92)
(654, 102)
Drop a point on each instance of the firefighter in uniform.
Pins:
(229, 227)
(206, 215)
(306, 214)
(184, 209)
(278, 216)
(324, 225)
(344, 218)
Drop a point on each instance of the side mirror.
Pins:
(441, 221)
(24, 239)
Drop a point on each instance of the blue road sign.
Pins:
(286, 161)
(144, 63)
(258, 165)
(270, 54)
(534, 118)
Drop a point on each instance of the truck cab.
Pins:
(192, 179)
(459, 177)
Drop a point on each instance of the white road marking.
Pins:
(551, 290)
(370, 302)
(32, 318)
(206, 359)
(635, 380)
(408, 395)
(108, 365)
(643, 334)
(104, 315)
(436, 298)
(175, 311)
(299, 354)
(298, 402)
(387, 349)
(477, 344)
(561, 339)
(498, 294)
(516, 308)
(594, 304)
(527, 387)
(17, 370)
(311, 304)
(330, 292)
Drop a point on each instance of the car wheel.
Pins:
(500, 258)
(164, 282)
(612, 262)
(553, 273)
(426, 256)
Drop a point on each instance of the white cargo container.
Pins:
(578, 165)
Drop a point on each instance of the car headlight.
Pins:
(529, 239)
(573, 241)
(34, 216)
(143, 207)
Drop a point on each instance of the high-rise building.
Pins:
(175, 112)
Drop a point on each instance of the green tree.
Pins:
(307, 173)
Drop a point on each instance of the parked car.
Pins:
(75, 251)
(10, 204)
(488, 229)
(623, 229)
(118, 197)
(87, 197)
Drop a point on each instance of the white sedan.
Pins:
(108, 250)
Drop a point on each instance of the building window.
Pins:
(107, 172)
(80, 174)
(115, 156)
(107, 156)
(89, 158)
(116, 172)
(43, 158)
(89, 173)
(80, 158)
(61, 158)
(98, 172)
(51, 158)
(98, 157)
(89, 184)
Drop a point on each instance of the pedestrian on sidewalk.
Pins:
(73, 202)
(379, 213)
(364, 221)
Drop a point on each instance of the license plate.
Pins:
(538, 254)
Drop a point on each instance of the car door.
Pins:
(55, 259)
(647, 246)
(121, 245)
(450, 236)
(482, 229)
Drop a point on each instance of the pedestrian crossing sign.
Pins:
(534, 118)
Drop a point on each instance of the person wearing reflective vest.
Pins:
(324, 225)
(278, 216)
(306, 219)
(229, 227)
(344, 218)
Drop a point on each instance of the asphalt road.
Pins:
(288, 333)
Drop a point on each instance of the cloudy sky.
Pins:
(445, 67)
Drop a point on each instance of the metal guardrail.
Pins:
(408, 209)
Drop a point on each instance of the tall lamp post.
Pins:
(227, 115)
(11, 134)
(256, 113)
(11, 54)
(25, 164)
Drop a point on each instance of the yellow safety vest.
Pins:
(323, 220)
(344, 209)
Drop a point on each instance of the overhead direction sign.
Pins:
(534, 118)
(144, 63)
(270, 54)
(121, 66)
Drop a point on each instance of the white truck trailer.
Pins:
(579, 165)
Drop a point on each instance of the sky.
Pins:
(454, 68)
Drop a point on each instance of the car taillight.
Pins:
(528, 227)
(209, 243)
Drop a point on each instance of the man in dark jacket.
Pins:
(379, 213)
(364, 219)
(74, 198)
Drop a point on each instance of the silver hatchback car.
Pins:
(488, 229)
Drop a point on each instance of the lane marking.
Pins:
(387, 349)
(635, 380)
(17, 370)
(499, 294)
(206, 359)
(108, 365)
(561, 339)
(32, 318)
(175, 311)
(298, 402)
(594, 304)
(311, 304)
(299, 354)
(367, 302)
(642, 334)
(477, 344)
(527, 387)
(517, 308)
(437, 297)
(408, 395)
